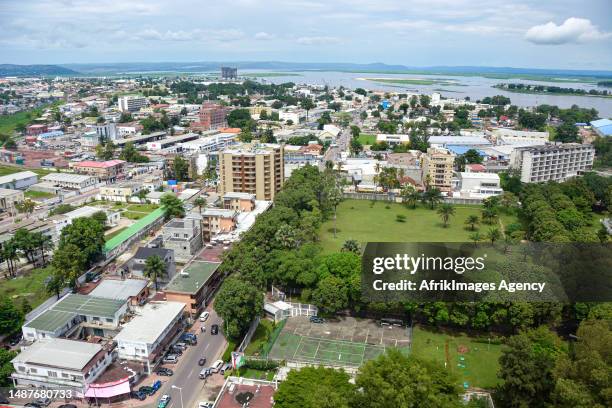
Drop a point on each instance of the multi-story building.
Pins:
(479, 185)
(218, 220)
(229, 73)
(438, 168)
(252, 168)
(8, 199)
(61, 364)
(194, 286)
(149, 333)
(212, 116)
(110, 170)
(138, 262)
(555, 162)
(36, 129)
(131, 103)
(184, 236)
(106, 131)
(239, 201)
(121, 192)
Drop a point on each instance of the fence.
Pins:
(392, 197)
(265, 351)
(249, 335)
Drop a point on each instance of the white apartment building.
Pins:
(153, 327)
(209, 144)
(393, 139)
(437, 168)
(131, 103)
(557, 162)
(60, 363)
(71, 181)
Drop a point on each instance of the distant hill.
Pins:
(213, 66)
(34, 70)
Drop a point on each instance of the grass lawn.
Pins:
(480, 360)
(30, 286)
(147, 208)
(132, 215)
(364, 222)
(6, 170)
(112, 234)
(260, 337)
(367, 139)
(256, 374)
(38, 194)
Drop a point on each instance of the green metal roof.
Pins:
(51, 320)
(133, 229)
(193, 277)
(89, 305)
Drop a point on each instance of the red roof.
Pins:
(99, 165)
(262, 396)
(230, 130)
(476, 167)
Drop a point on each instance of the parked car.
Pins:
(43, 402)
(225, 367)
(203, 404)
(216, 366)
(67, 406)
(165, 372)
(214, 329)
(205, 372)
(170, 359)
(190, 338)
(180, 345)
(204, 316)
(317, 319)
(175, 350)
(139, 395)
(163, 401)
(202, 361)
(32, 405)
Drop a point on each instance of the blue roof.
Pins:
(605, 130)
(601, 122)
(460, 149)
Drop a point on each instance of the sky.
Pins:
(562, 34)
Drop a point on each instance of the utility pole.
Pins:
(180, 393)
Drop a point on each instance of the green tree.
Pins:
(395, 380)
(307, 104)
(130, 154)
(493, 235)
(238, 303)
(355, 147)
(199, 202)
(410, 196)
(446, 211)
(6, 367)
(432, 196)
(315, 387)
(355, 131)
(172, 205)
(180, 168)
(27, 206)
(331, 295)
(69, 262)
(56, 283)
(11, 318)
(351, 245)
(87, 235)
(154, 269)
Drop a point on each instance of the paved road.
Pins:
(186, 372)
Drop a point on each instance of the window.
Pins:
(64, 375)
(109, 320)
(21, 368)
(33, 370)
(52, 374)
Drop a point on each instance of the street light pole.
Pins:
(180, 393)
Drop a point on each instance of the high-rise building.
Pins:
(438, 168)
(255, 168)
(131, 103)
(229, 73)
(212, 116)
(556, 162)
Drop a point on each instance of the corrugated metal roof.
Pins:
(126, 234)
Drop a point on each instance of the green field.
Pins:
(146, 208)
(364, 222)
(133, 215)
(6, 170)
(260, 337)
(38, 194)
(30, 286)
(367, 139)
(480, 360)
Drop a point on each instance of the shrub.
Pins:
(262, 365)
(227, 355)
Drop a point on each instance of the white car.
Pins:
(216, 366)
(203, 404)
(204, 316)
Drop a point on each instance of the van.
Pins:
(216, 366)
(205, 373)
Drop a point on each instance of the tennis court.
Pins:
(345, 342)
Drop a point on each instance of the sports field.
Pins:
(344, 342)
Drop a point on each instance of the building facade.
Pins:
(212, 116)
(558, 163)
(110, 170)
(131, 103)
(252, 168)
(438, 168)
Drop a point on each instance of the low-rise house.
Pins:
(8, 199)
(76, 315)
(120, 192)
(479, 185)
(79, 182)
(194, 286)
(153, 328)
(136, 265)
(110, 170)
(18, 181)
(134, 291)
(239, 201)
(62, 220)
(183, 236)
(61, 364)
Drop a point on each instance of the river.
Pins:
(451, 87)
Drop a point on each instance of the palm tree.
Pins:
(446, 211)
(10, 255)
(432, 196)
(410, 196)
(334, 197)
(493, 234)
(489, 215)
(472, 220)
(350, 245)
(27, 206)
(199, 202)
(475, 237)
(155, 268)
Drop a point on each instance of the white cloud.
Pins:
(151, 34)
(263, 36)
(319, 40)
(573, 30)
